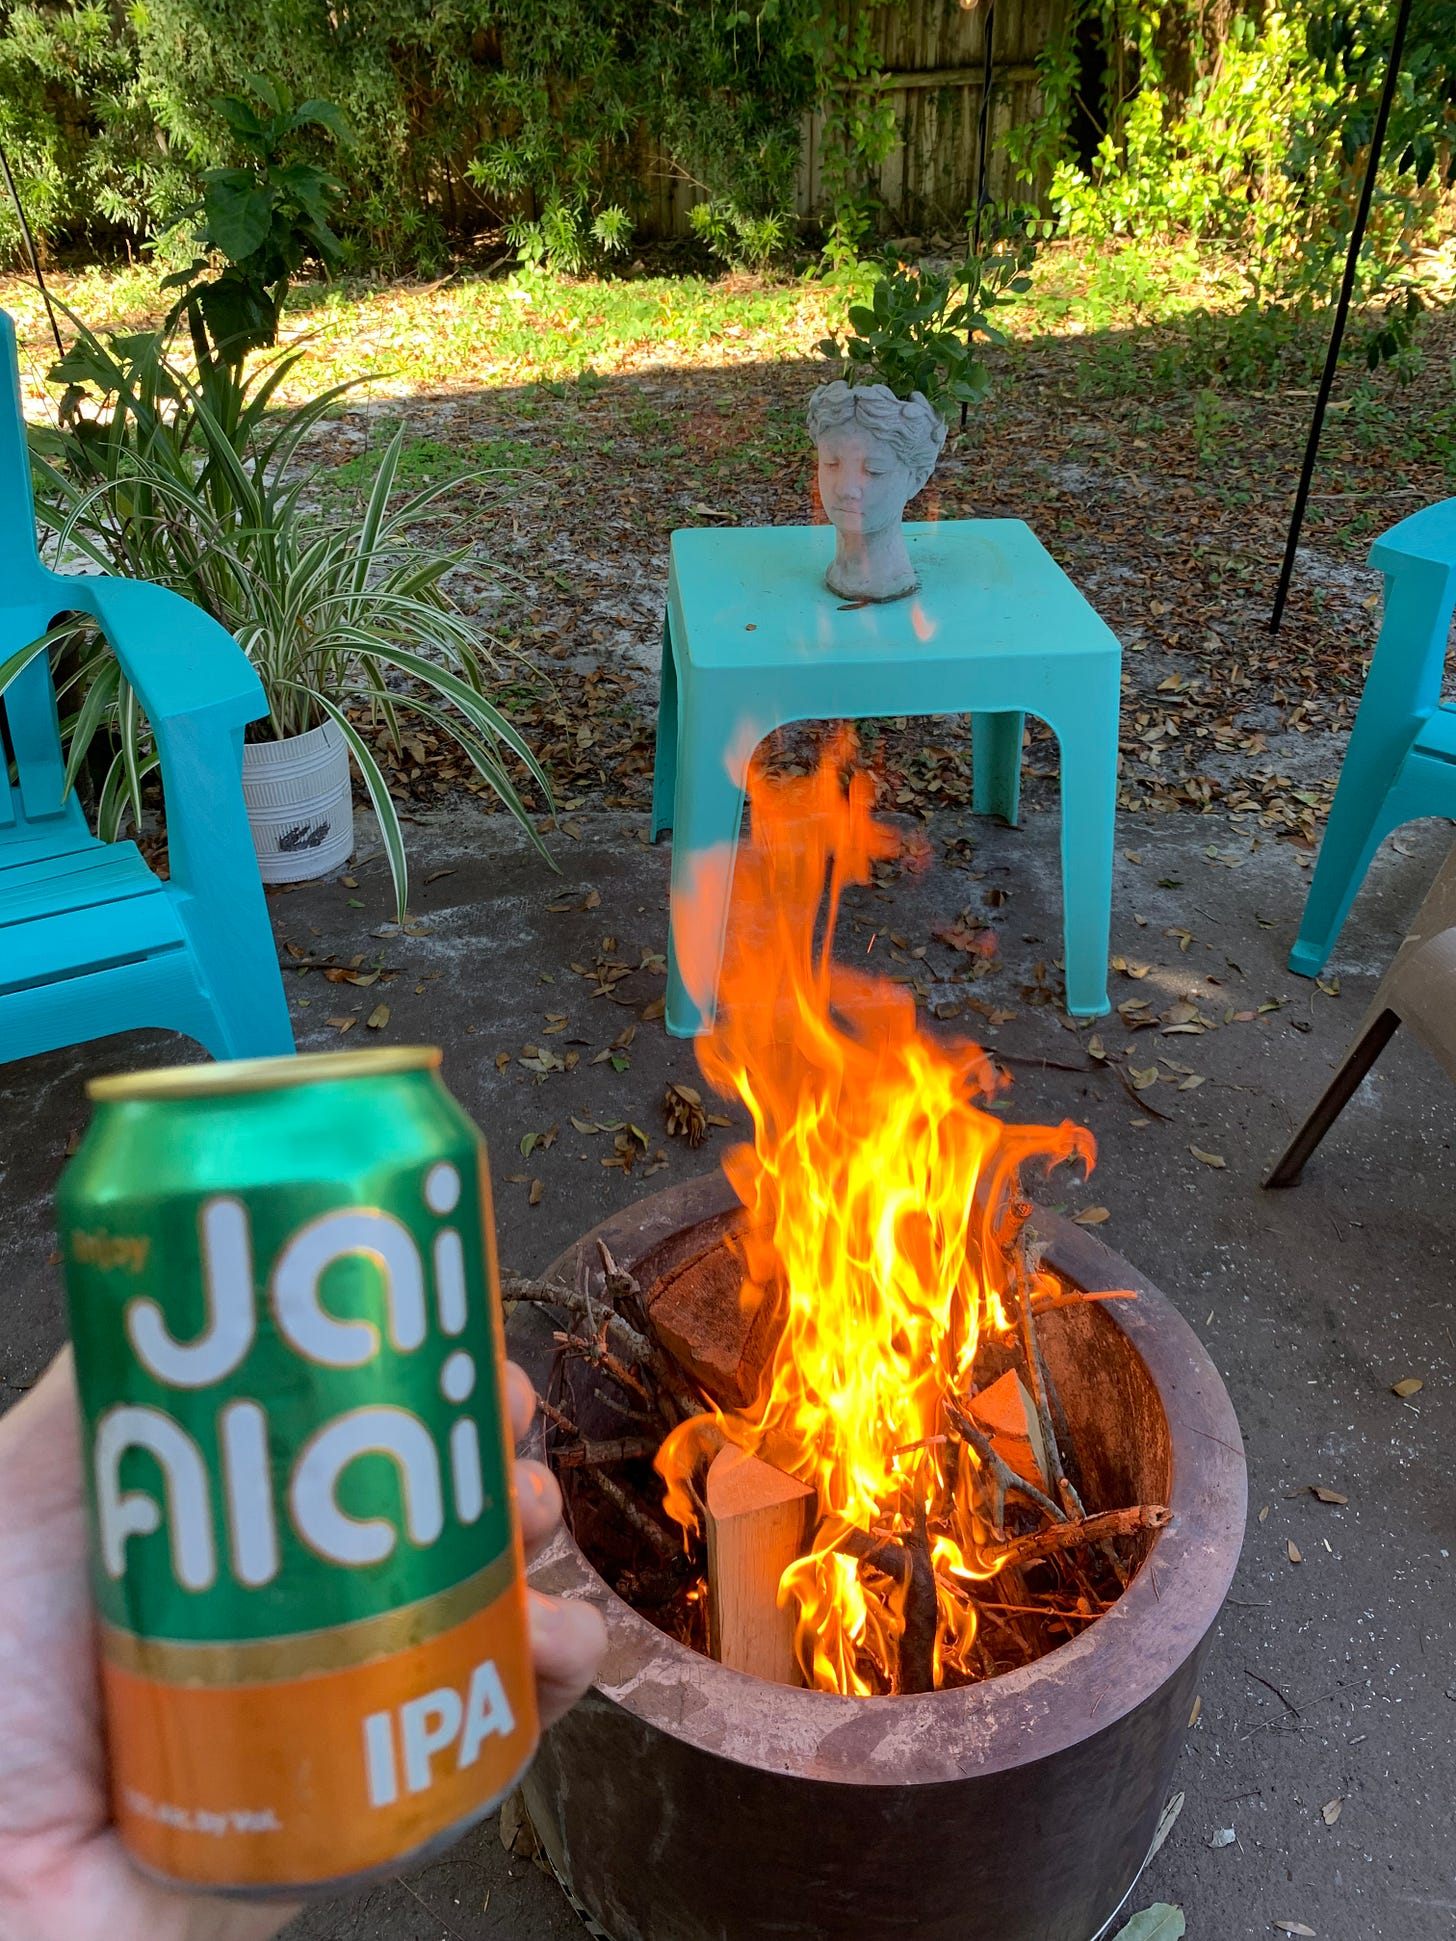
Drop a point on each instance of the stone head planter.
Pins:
(876, 451)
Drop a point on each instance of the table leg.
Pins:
(1089, 807)
(996, 765)
(664, 759)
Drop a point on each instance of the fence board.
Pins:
(933, 51)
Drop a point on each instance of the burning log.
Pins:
(1009, 1416)
(758, 1524)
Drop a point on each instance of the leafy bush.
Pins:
(1269, 147)
(485, 112)
(745, 242)
(79, 134)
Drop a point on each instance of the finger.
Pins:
(522, 1399)
(40, 1452)
(538, 1501)
(568, 1641)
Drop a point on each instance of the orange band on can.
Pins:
(302, 1782)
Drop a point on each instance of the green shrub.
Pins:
(468, 115)
(1269, 148)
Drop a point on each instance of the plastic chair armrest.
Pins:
(178, 659)
(1426, 538)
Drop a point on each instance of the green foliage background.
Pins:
(463, 111)
(1234, 119)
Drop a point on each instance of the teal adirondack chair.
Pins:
(1401, 761)
(91, 941)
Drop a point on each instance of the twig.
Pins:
(880, 1553)
(917, 1640)
(623, 1287)
(1083, 1295)
(645, 1526)
(593, 1351)
(1288, 1703)
(593, 1452)
(1004, 1476)
(1091, 1529)
(1022, 1275)
(999, 1057)
(630, 1345)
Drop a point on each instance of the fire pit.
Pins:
(685, 1801)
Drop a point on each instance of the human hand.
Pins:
(64, 1875)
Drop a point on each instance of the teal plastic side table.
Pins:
(1401, 761)
(754, 640)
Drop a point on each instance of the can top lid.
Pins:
(261, 1074)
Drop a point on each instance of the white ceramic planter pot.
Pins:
(300, 804)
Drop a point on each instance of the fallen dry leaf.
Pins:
(1327, 1495)
(1331, 1811)
(1194, 1715)
(378, 1018)
(656, 1009)
(1091, 1216)
(1208, 1158)
(538, 1188)
(1408, 1385)
(1293, 1927)
(1296, 1556)
(1264, 1514)
(502, 1059)
(342, 1024)
(974, 939)
(682, 1107)
(1143, 1076)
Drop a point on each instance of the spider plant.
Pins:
(196, 485)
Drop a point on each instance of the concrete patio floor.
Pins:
(1331, 1679)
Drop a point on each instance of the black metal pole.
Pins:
(29, 241)
(983, 142)
(1342, 312)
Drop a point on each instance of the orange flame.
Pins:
(880, 1207)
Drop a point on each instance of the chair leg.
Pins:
(664, 760)
(1089, 809)
(1337, 1095)
(1360, 817)
(253, 1022)
(707, 815)
(996, 765)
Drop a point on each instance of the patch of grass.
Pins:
(424, 461)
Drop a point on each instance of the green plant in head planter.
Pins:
(909, 357)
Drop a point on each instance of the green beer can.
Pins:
(311, 1593)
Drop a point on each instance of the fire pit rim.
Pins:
(1031, 1713)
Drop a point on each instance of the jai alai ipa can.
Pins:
(288, 1344)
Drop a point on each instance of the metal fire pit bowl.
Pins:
(682, 1801)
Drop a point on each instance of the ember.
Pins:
(886, 1234)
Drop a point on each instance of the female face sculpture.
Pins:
(875, 453)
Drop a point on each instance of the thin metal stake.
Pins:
(983, 133)
(30, 248)
(1342, 312)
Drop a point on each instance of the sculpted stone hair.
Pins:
(912, 427)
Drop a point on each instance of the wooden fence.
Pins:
(933, 52)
